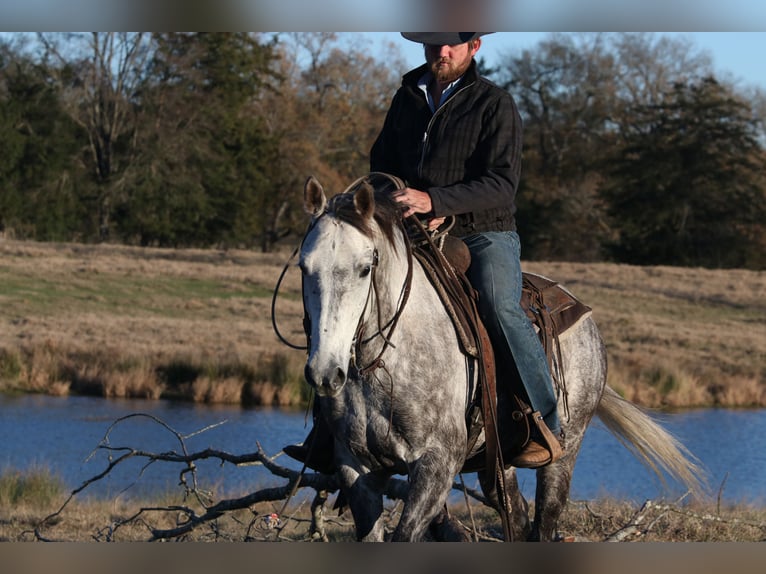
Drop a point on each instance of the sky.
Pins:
(370, 15)
(736, 55)
(734, 31)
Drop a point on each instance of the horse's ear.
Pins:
(364, 201)
(314, 199)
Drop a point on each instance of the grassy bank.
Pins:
(26, 500)
(196, 325)
(125, 322)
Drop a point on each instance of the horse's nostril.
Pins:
(335, 381)
(340, 378)
(326, 382)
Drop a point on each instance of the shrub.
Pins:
(35, 488)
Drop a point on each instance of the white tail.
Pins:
(650, 443)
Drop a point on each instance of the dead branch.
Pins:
(198, 508)
(710, 517)
(633, 528)
(652, 512)
(206, 511)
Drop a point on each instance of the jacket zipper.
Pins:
(424, 143)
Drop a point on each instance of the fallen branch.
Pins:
(654, 511)
(634, 526)
(710, 517)
(190, 518)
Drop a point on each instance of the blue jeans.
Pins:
(495, 272)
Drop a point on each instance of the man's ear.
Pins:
(476, 46)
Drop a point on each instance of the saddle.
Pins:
(551, 309)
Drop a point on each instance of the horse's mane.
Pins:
(388, 213)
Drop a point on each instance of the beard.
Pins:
(446, 71)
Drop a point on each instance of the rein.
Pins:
(391, 324)
(274, 303)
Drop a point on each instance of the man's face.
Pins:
(448, 63)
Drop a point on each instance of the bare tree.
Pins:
(99, 74)
(325, 105)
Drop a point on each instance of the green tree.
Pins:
(203, 159)
(687, 183)
(39, 195)
(566, 93)
(576, 93)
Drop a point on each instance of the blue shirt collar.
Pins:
(426, 79)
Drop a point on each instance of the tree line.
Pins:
(634, 151)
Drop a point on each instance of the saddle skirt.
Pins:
(550, 307)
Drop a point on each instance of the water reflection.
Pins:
(60, 433)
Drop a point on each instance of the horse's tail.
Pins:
(650, 443)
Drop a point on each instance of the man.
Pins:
(455, 139)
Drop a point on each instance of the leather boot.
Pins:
(317, 449)
(533, 455)
(537, 452)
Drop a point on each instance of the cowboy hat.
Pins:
(442, 38)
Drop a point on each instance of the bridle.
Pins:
(385, 331)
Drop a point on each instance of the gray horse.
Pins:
(393, 386)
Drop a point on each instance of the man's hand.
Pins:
(413, 201)
(416, 201)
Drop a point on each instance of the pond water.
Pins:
(60, 434)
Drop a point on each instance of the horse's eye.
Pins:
(366, 271)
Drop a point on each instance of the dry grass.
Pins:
(33, 502)
(594, 521)
(117, 322)
(196, 324)
(676, 337)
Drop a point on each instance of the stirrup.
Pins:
(549, 440)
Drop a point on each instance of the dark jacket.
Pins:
(467, 155)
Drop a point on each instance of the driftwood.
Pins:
(189, 518)
(651, 512)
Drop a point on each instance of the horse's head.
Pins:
(338, 260)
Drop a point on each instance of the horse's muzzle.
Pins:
(326, 383)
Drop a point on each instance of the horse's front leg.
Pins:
(364, 493)
(430, 481)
